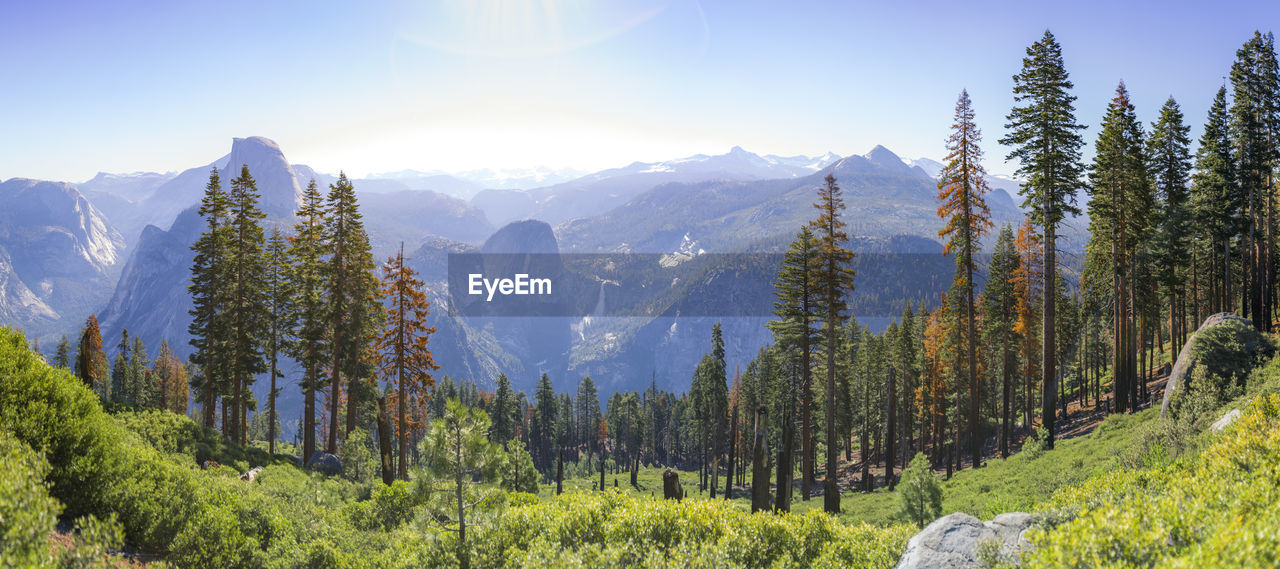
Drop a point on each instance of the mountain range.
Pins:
(119, 246)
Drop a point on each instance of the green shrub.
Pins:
(27, 512)
(1217, 509)
(386, 508)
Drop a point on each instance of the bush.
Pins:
(387, 508)
(27, 512)
(1218, 509)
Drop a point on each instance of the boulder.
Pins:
(251, 475)
(325, 463)
(952, 541)
(1225, 421)
(1182, 368)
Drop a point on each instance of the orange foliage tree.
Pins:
(404, 360)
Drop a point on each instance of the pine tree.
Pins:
(963, 185)
(354, 311)
(794, 332)
(91, 361)
(1120, 213)
(210, 274)
(587, 407)
(1255, 126)
(1000, 304)
(405, 360)
(171, 381)
(1047, 143)
(920, 494)
(142, 391)
(503, 412)
(62, 357)
(1167, 149)
(833, 279)
(308, 246)
(1028, 287)
(278, 279)
(461, 457)
(1216, 199)
(120, 371)
(248, 315)
(542, 427)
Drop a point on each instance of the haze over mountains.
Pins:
(119, 245)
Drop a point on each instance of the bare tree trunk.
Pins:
(760, 462)
(892, 423)
(733, 440)
(384, 442)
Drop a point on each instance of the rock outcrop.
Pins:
(325, 463)
(953, 541)
(1181, 371)
(1225, 421)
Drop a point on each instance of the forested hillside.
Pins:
(1015, 389)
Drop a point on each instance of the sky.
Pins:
(453, 85)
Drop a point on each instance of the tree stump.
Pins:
(671, 489)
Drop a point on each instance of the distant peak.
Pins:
(885, 157)
(254, 142)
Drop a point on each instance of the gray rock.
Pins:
(1182, 368)
(953, 540)
(325, 463)
(251, 475)
(1225, 421)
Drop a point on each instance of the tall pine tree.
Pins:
(963, 185)
(307, 249)
(210, 275)
(1046, 140)
(833, 280)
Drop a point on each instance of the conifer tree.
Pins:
(120, 371)
(1255, 126)
(794, 332)
(833, 280)
(91, 361)
(587, 407)
(354, 310)
(963, 185)
(1167, 149)
(1217, 200)
(1000, 306)
(248, 315)
(542, 426)
(1046, 140)
(278, 278)
(62, 357)
(1028, 287)
(405, 361)
(140, 384)
(1120, 213)
(210, 275)
(307, 248)
(503, 412)
(171, 381)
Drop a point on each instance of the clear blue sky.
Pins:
(459, 84)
